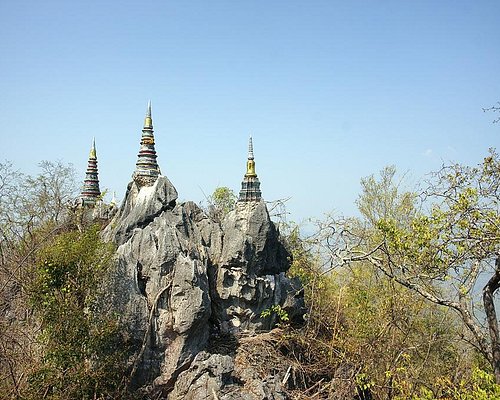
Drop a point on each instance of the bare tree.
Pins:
(32, 210)
(440, 252)
(495, 108)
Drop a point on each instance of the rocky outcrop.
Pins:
(182, 279)
(254, 369)
(249, 275)
(142, 204)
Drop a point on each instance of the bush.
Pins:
(82, 353)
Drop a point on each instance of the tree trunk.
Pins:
(491, 316)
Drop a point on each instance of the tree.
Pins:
(32, 211)
(441, 252)
(29, 202)
(495, 108)
(384, 199)
(221, 202)
(83, 355)
(365, 334)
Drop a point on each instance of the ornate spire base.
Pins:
(250, 189)
(144, 180)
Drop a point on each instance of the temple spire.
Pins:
(148, 122)
(93, 153)
(250, 162)
(91, 192)
(113, 201)
(147, 169)
(250, 186)
(250, 149)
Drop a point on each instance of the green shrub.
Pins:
(82, 353)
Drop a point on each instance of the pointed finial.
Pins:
(113, 200)
(250, 149)
(148, 121)
(93, 153)
(250, 161)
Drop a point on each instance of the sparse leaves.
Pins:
(221, 202)
(276, 310)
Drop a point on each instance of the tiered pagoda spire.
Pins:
(147, 169)
(250, 186)
(91, 192)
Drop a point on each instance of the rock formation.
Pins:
(189, 288)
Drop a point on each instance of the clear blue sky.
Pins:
(331, 91)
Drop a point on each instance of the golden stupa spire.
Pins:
(250, 161)
(148, 122)
(93, 153)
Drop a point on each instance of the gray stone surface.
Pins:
(249, 277)
(140, 206)
(229, 377)
(205, 378)
(181, 278)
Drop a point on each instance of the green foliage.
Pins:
(276, 310)
(304, 265)
(388, 341)
(479, 385)
(33, 209)
(401, 339)
(221, 202)
(463, 223)
(383, 199)
(440, 253)
(69, 268)
(363, 382)
(83, 356)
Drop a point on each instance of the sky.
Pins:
(330, 91)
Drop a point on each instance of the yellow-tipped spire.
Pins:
(147, 169)
(93, 153)
(250, 162)
(250, 187)
(148, 121)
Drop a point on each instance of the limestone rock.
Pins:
(161, 289)
(182, 278)
(206, 376)
(250, 274)
(140, 206)
(254, 370)
(253, 240)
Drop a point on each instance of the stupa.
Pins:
(250, 186)
(146, 168)
(91, 192)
